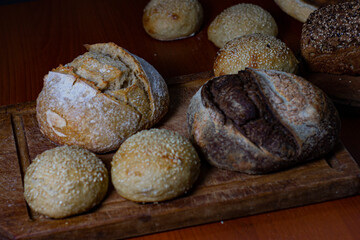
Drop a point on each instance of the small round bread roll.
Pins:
(101, 98)
(65, 181)
(256, 51)
(260, 121)
(239, 20)
(330, 39)
(172, 19)
(154, 165)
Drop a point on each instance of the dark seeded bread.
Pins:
(330, 39)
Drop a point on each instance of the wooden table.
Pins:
(37, 36)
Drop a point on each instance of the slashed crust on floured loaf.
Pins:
(101, 98)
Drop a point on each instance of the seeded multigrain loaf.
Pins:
(239, 20)
(101, 98)
(330, 39)
(172, 19)
(65, 181)
(260, 121)
(154, 165)
(254, 51)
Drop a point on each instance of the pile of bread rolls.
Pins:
(255, 116)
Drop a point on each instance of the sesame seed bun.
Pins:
(239, 20)
(255, 51)
(154, 165)
(172, 19)
(65, 181)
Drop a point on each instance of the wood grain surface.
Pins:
(217, 195)
(38, 35)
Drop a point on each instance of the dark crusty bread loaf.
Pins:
(330, 39)
(260, 121)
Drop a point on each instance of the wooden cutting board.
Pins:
(216, 196)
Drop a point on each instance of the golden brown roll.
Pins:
(239, 20)
(154, 165)
(101, 98)
(260, 121)
(254, 51)
(65, 181)
(330, 39)
(172, 19)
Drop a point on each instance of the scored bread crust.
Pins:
(304, 114)
(298, 9)
(74, 111)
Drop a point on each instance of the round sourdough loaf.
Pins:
(154, 165)
(239, 20)
(260, 121)
(101, 98)
(65, 181)
(172, 19)
(254, 51)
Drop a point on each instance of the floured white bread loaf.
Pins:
(260, 121)
(65, 181)
(101, 98)
(154, 165)
(254, 51)
(172, 19)
(239, 20)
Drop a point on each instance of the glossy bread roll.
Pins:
(260, 121)
(101, 98)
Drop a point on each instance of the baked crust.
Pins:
(172, 19)
(330, 39)
(254, 51)
(73, 110)
(240, 20)
(65, 181)
(261, 121)
(298, 9)
(154, 165)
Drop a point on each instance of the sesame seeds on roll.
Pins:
(256, 51)
(154, 165)
(239, 20)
